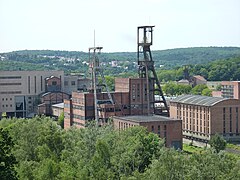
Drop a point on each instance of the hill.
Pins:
(72, 61)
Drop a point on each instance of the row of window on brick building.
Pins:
(136, 92)
(230, 120)
(159, 130)
(194, 118)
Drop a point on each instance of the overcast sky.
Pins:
(69, 24)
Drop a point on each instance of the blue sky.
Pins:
(69, 24)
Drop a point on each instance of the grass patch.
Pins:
(192, 149)
(233, 146)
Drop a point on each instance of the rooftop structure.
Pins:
(198, 100)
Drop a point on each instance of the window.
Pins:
(165, 127)
(41, 83)
(29, 84)
(35, 84)
(54, 83)
(133, 92)
(10, 84)
(65, 83)
(11, 92)
(237, 120)
(10, 77)
(230, 109)
(73, 83)
(138, 90)
(152, 128)
(159, 129)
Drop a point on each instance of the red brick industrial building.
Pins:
(204, 116)
(168, 129)
(230, 89)
(130, 109)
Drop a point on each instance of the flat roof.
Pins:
(198, 100)
(145, 118)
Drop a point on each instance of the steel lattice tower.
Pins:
(147, 70)
(98, 81)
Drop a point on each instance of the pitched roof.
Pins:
(198, 100)
(200, 77)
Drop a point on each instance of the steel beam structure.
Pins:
(98, 82)
(146, 70)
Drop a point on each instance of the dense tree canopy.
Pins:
(7, 159)
(174, 89)
(219, 70)
(44, 150)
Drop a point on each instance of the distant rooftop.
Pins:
(200, 77)
(198, 100)
(146, 118)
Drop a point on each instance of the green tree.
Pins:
(110, 82)
(170, 89)
(7, 159)
(218, 143)
(219, 87)
(207, 92)
(61, 120)
(173, 89)
(197, 90)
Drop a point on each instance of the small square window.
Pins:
(54, 83)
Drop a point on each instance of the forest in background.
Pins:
(126, 62)
(39, 148)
